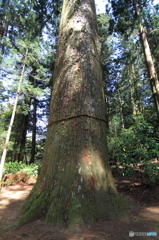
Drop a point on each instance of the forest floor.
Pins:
(143, 215)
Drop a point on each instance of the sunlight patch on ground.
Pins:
(153, 209)
(9, 196)
(151, 213)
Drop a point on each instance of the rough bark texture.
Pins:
(75, 186)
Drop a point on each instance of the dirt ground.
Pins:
(143, 215)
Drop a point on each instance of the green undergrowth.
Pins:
(136, 147)
(14, 167)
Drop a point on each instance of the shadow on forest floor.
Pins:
(143, 212)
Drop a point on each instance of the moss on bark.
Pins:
(34, 212)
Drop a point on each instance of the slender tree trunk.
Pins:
(3, 25)
(132, 98)
(154, 82)
(75, 186)
(33, 145)
(121, 110)
(34, 120)
(132, 90)
(21, 139)
(137, 100)
(12, 120)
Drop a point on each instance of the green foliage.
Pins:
(151, 172)
(135, 145)
(14, 167)
(24, 235)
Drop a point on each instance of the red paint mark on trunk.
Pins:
(90, 183)
(86, 157)
(93, 181)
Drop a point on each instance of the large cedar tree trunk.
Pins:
(75, 186)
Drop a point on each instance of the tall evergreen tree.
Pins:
(27, 28)
(153, 76)
(129, 15)
(75, 185)
(12, 117)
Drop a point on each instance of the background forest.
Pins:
(28, 39)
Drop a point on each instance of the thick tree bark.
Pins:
(75, 186)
